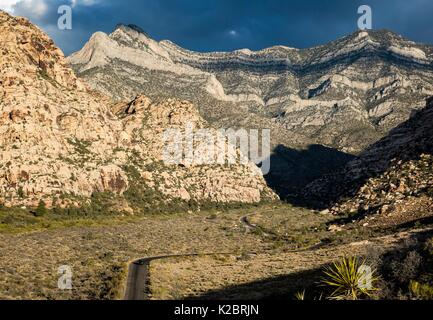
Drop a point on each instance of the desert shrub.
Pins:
(348, 279)
(41, 209)
(16, 218)
(81, 146)
(100, 205)
(407, 269)
(21, 192)
(429, 247)
(421, 291)
(112, 281)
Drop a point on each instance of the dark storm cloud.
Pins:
(210, 25)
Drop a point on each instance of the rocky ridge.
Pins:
(63, 143)
(374, 78)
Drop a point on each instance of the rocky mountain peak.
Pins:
(131, 35)
(127, 32)
(129, 27)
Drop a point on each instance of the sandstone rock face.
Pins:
(344, 95)
(62, 143)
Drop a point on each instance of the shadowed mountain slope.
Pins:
(395, 170)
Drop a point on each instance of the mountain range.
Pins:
(324, 105)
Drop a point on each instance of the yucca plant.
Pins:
(350, 278)
(300, 296)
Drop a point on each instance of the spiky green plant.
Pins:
(300, 296)
(348, 279)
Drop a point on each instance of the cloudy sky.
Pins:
(221, 25)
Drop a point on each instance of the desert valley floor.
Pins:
(257, 252)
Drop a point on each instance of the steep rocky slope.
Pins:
(343, 96)
(393, 175)
(403, 193)
(63, 144)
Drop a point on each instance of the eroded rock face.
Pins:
(62, 143)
